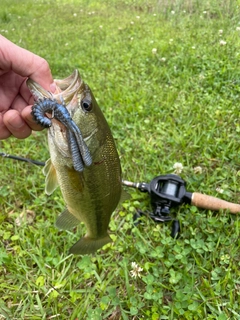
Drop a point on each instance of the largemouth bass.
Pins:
(92, 194)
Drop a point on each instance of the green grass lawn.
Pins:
(167, 76)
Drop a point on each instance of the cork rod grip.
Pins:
(208, 202)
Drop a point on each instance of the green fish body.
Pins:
(92, 195)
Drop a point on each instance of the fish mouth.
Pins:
(37, 91)
(65, 89)
(66, 92)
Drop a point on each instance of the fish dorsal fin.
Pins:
(66, 220)
(51, 177)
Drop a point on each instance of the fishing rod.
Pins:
(9, 156)
(166, 192)
(169, 191)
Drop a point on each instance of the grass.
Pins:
(176, 103)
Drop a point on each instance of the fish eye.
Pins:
(86, 104)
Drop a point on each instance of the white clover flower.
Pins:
(136, 270)
(225, 258)
(238, 29)
(220, 31)
(74, 14)
(222, 43)
(154, 50)
(163, 59)
(131, 22)
(138, 17)
(219, 190)
(100, 27)
(172, 12)
(197, 169)
(178, 167)
(193, 47)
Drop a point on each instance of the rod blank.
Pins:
(38, 163)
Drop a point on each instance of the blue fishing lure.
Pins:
(80, 152)
(59, 112)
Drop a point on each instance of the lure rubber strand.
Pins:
(71, 126)
(76, 155)
(82, 146)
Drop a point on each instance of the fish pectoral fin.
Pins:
(51, 177)
(66, 220)
(88, 245)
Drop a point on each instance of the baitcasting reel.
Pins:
(169, 191)
(165, 192)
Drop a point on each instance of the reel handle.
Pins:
(208, 202)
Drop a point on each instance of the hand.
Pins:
(16, 65)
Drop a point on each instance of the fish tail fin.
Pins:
(87, 245)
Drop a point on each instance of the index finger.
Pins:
(24, 63)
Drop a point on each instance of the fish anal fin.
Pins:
(51, 177)
(124, 196)
(87, 245)
(66, 220)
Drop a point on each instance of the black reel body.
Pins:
(166, 192)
